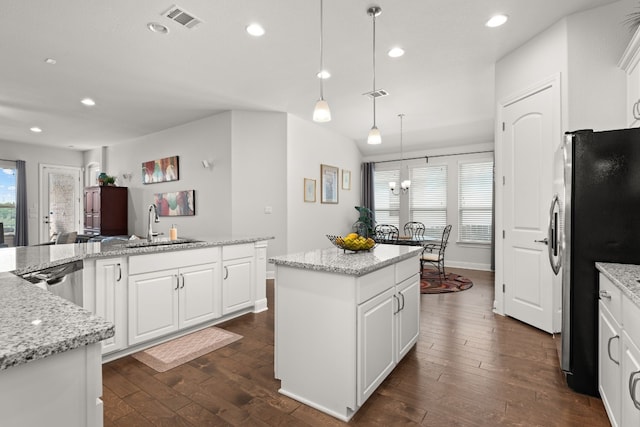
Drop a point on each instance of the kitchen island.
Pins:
(343, 321)
(51, 350)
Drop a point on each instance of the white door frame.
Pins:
(554, 82)
(42, 202)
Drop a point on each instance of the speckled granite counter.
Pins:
(334, 260)
(35, 323)
(624, 276)
(25, 259)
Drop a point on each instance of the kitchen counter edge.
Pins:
(624, 276)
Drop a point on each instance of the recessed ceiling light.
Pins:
(324, 74)
(50, 61)
(35, 129)
(496, 21)
(255, 30)
(88, 102)
(157, 28)
(396, 52)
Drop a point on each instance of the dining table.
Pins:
(408, 240)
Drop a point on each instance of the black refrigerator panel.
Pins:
(605, 226)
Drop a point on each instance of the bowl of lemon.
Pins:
(352, 242)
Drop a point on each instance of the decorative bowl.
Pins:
(339, 243)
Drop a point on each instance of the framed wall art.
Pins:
(309, 190)
(161, 170)
(346, 179)
(329, 177)
(176, 203)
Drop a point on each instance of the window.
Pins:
(475, 202)
(387, 206)
(8, 198)
(428, 198)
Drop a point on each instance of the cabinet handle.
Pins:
(636, 110)
(609, 349)
(402, 295)
(182, 276)
(119, 273)
(605, 295)
(177, 282)
(633, 382)
(397, 304)
(226, 273)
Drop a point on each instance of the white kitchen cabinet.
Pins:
(184, 294)
(609, 371)
(630, 405)
(167, 301)
(111, 299)
(337, 337)
(238, 283)
(629, 63)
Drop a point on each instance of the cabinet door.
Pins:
(153, 305)
(199, 294)
(237, 284)
(376, 342)
(609, 376)
(408, 316)
(630, 383)
(111, 300)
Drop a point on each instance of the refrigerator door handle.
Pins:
(555, 254)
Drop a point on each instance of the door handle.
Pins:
(545, 241)
(605, 295)
(119, 273)
(554, 235)
(177, 282)
(397, 304)
(633, 383)
(182, 277)
(226, 273)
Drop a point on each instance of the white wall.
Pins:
(259, 177)
(34, 155)
(597, 87)
(462, 255)
(205, 139)
(310, 145)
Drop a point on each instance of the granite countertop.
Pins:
(624, 276)
(334, 260)
(35, 324)
(26, 259)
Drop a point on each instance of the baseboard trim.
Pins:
(469, 265)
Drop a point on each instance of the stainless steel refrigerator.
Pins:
(595, 216)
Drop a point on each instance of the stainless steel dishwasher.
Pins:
(63, 280)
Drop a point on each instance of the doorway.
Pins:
(59, 200)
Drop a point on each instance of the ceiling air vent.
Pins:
(378, 93)
(182, 17)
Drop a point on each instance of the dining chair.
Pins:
(66, 238)
(2, 243)
(386, 232)
(414, 229)
(433, 253)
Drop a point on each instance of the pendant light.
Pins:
(374, 134)
(404, 185)
(321, 113)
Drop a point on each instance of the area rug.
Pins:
(181, 350)
(430, 283)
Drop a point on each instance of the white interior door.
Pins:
(59, 200)
(529, 141)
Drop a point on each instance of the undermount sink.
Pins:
(159, 242)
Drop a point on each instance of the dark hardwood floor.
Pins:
(469, 368)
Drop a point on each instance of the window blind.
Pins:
(428, 198)
(387, 206)
(475, 202)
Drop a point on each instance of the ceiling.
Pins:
(144, 82)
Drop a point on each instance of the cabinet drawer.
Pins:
(238, 251)
(172, 259)
(613, 304)
(631, 319)
(406, 269)
(372, 284)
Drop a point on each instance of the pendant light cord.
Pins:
(374, 68)
(321, 50)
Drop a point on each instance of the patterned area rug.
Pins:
(184, 349)
(430, 283)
